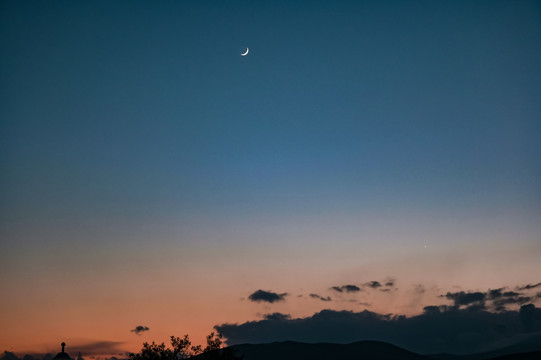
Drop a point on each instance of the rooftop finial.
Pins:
(63, 345)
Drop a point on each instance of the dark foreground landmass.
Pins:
(527, 349)
(362, 350)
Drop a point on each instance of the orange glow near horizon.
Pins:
(98, 309)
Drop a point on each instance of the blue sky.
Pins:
(416, 103)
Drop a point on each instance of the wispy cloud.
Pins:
(528, 286)
(97, 348)
(316, 296)
(373, 284)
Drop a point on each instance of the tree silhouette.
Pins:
(182, 349)
(214, 350)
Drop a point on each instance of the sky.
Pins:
(154, 177)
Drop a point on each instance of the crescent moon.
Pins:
(246, 53)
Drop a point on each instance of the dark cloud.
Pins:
(276, 316)
(530, 317)
(373, 284)
(529, 286)
(500, 300)
(316, 296)
(466, 298)
(351, 288)
(267, 296)
(439, 329)
(436, 309)
(495, 299)
(494, 294)
(346, 288)
(512, 300)
(140, 329)
(476, 307)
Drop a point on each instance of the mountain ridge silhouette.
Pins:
(365, 350)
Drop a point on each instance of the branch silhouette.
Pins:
(182, 348)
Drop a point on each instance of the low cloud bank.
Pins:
(439, 329)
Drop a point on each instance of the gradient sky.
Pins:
(153, 176)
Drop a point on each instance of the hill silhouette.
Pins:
(534, 355)
(529, 345)
(365, 350)
(361, 350)
(291, 350)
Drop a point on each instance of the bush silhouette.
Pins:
(181, 348)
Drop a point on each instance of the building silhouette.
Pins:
(62, 355)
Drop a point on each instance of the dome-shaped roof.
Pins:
(62, 355)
